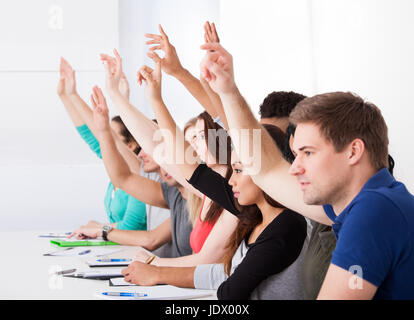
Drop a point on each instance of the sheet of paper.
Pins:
(54, 235)
(110, 273)
(84, 252)
(120, 282)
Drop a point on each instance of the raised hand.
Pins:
(100, 110)
(152, 79)
(210, 33)
(113, 70)
(170, 64)
(217, 68)
(61, 84)
(68, 76)
(86, 233)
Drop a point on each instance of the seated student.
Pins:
(169, 194)
(263, 258)
(212, 247)
(124, 212)
(341, 148)
(322, 240)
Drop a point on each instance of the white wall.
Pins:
(317, 46)
(183, 22)
(49, 179)
(366, 47)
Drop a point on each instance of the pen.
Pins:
(113, 260)
(125, 294)
(65, 271)
(84, 252)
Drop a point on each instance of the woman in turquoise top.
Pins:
(124, 211)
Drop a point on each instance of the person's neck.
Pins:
(353, 188)
(268, 211)
(220, 168)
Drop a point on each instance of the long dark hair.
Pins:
(250, 216)
(220, 146)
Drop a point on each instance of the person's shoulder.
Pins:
(292, 217)
(375, 212)
(374, 204)
(287, 223)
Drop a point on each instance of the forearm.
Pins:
(84, 111)
(248, 134)
(141, 128)
(196, 89)
(216, 101)
(179, 277)
(74, 115)
(115, 164)
(129, 156)
(131, 238)
(174, 141)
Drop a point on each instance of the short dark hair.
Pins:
(279, 104)
(343, 117)
(126, 134)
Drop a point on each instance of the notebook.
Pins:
(78, 243)
(96, 275)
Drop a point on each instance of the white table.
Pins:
(27, 274)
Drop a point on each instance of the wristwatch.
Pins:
(105, 230)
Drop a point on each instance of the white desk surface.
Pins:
(27, 274)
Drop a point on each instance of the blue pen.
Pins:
(84, 252)
(125, 294)
(113, 260)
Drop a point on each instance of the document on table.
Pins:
(83, 252)
(98, 274)
(54, 235)
(119, 282)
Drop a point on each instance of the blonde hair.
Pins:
(194, 202)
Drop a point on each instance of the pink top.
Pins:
(200, 232)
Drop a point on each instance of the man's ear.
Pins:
(355, 151)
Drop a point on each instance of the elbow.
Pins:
(149, 242)
(119, 181)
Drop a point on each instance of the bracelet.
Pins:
(150, 259)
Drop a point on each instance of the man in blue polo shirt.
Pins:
(341, 149)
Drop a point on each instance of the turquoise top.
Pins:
(127, 212)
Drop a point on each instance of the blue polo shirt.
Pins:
(375, 235)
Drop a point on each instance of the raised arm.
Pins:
(171, 65)
(175, 144)
(211, 36)
(85, 113)
(142, 129)
(268, 168)
(74, 115)
(141, 188)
